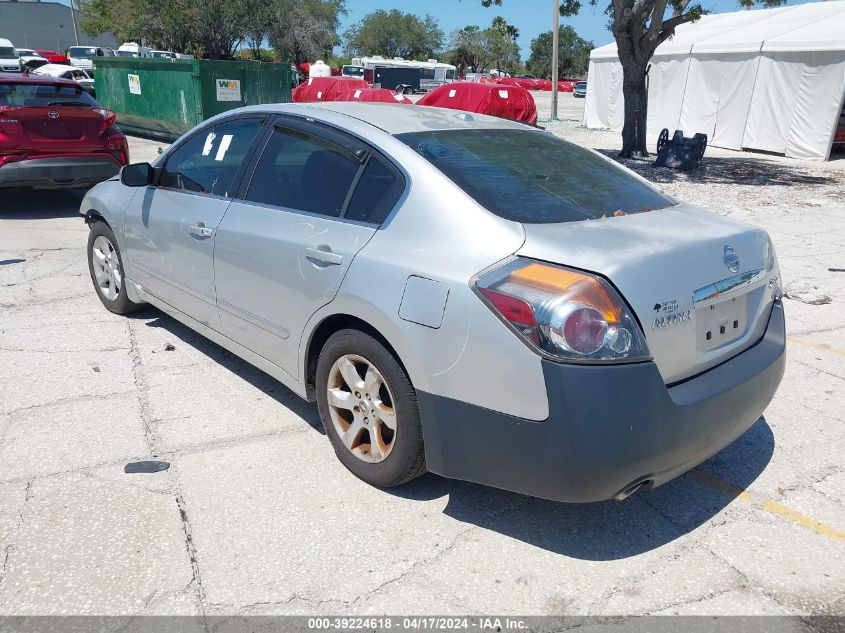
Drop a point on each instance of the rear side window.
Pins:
(377, 192)
(38, 94)
(210, 160)
(303, 172)
(534, 177)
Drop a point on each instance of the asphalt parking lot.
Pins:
(257, 516)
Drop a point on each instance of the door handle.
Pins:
(201, 231)
(326, 258)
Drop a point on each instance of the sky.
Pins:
(529, 16)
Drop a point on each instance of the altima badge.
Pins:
(730, 258)
(669, 320)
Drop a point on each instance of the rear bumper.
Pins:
(60, 172)
(609, 427)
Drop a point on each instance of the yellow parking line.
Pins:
(821, 346)
(727, 488)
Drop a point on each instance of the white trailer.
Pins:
(432, 72)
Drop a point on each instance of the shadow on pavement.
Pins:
(739, 170)
(608, 530)
(254, 376)
(40, 204)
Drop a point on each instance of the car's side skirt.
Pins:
(225, 342)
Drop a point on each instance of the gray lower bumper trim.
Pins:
(78, 171)
(609, 426)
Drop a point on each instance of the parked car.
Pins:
(163, 54)
(28, 55)
(63, 71)
(53, 134)
(580, 89)
(133, 49)
(54, 57)
(85, 57)
(9, 60)
(463, 294)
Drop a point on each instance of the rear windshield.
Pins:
(534, 177)
(127, 54)
(353, 71)
(18, 95)
(581, 84)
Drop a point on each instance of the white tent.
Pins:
(771, 80)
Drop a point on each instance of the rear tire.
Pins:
(105, 265)
(369, 391)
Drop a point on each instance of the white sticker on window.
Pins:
(503, 94)
(319, 94)
(209, 143)
(357, 94)
(452, 93)
(398, 96)
(224, 146)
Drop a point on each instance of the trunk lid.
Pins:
(697, 282)
(52, 128)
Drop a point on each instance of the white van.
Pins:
(132, 49)
(85, 57)
(9, 60)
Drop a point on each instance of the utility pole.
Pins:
(73, 17)
(556, 4)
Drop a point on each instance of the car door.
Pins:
(170, 226)
(315, 198)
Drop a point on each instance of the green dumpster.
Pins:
(163, 98)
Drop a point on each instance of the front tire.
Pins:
(369, 409)
(105, 265)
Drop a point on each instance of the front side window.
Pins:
(534, 177)
(209, 161)
(303, 172)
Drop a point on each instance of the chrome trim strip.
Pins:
(727, 286)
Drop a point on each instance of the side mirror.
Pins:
(136, 175)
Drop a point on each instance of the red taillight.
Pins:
(116, 143)
(514, 310)
(5, 159)
(109, 118)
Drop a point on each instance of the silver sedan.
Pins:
(460, 294)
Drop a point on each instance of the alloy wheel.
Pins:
(106, 268)
(361, 407)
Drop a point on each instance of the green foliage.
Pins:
(298, 29)
(573, 54)
(305, 30)
(475, 50)
(394, 34)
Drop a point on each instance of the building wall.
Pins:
(44, 25)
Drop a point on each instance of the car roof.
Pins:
(51, 68)
(396, 118)
(18, 78)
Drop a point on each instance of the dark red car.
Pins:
(53, 134)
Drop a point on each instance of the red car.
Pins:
(54, 57)
(53, 134)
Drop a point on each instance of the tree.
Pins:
(394, 34)
(468, 49)
(305, 30)
(639, 27)
(501, 40)
(573, 54)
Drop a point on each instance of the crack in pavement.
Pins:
(153, 443)
(11, 546)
